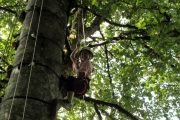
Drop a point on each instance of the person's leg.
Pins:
(71, 88)
(70, 96)
(67, 103)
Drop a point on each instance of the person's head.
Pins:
(85, 54)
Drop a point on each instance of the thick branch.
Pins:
(119, 108)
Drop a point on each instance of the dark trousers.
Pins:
(79, 85)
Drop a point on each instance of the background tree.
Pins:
(136, 61)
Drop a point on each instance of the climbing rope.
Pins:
(83, 28)
(16, 84)
(34, 51)
(78, 40)
(84, 36)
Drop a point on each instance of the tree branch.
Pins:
(113, 39)
(94, 27)
(151, 52)
(106, 20)
(79, 23)
(108, 66)
(97, 111)
(119, 108)
(121, 37)
(100, 44)
(8, 10)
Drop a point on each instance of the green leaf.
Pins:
(94, 2)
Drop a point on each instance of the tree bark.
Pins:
(44, 82)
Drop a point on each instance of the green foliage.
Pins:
(9, 27)
(144, 73)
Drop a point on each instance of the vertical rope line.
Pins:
(22, 60)
(78, 40)
(34, 51)
(84, 37)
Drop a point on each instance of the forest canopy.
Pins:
(136, 46)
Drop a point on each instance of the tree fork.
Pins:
(43, 87)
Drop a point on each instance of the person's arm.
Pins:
(89, 69)
(73, 54)
(73, 57)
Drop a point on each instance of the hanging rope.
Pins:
(83, 27)
(22, 61)
(84, 36)
(82, 22)
(78, 40)
(34, 51)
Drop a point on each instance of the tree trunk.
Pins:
(43, 82)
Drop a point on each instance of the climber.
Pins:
(78, 86)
